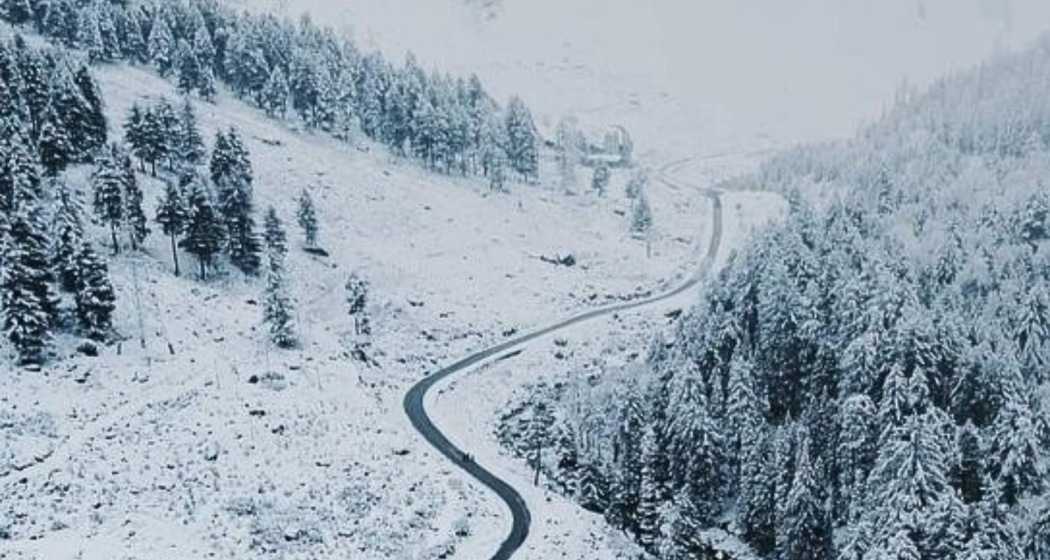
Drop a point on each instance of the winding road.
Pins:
(417, 413)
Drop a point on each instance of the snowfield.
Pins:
(225, 446)
(195, 438)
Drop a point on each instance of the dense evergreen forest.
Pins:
(301, 71)
(866, 380)
(52, 117)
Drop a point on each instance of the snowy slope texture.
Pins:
(867, 379)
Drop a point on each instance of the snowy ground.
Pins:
(151, 455)
(228, 447)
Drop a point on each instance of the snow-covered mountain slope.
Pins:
(148, 453)
(694, 76)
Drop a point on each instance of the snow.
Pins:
(173, 455)
(320, 461)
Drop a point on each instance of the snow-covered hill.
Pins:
(230, 447)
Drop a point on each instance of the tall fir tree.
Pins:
(26, 297)
(522, 139)
(95, 296)
(307, 217)
(205, 234)
(134, 216)
(806, 531)
(172, 215)
(67, 234)
(107, 183)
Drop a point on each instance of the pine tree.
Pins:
(135, 133)
(637, 183)
(641, 215)
(757, 501)
(26, 297)
(19, 170)
(162, 45)
(307, 217)
(205, 233)
(600, 179)
(190, 144)
(651, 494)
(95, 297)
(357, 303)
(108, 186)
(89, 37)
(1015, 457)
(273, 233)
(172, 215)
(591, 487)
(189, 69)
(275, 94)
(521, 146)
(16, 11)
(568, 157)
(856, 452)
(89, 130)
(807, 530)
(67, 233)
(134, 217)
(232, 173)
(278, 305)
(55, 145)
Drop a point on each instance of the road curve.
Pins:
(417, 413)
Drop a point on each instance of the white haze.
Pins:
(711, 74)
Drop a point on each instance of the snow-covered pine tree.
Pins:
(67, 234)
(307, 216)
(54, 143)
(600, 179)
(89, 37)
(191, 149)
(172, 215)
(273, 233)
(231, 170)
(16, 11)
(205, 234)
(135, 134)
(107, 183)
(188, 68)
(274, 98)
(20, 181)
(856, 452)
(95, 297)
(278, 307)
(162, 46)
(538, 436)
(637, 183)
(357, 289)
(568, 156)
(591, 487)
(166, 133)
(26, 297)
(641, 215)
(651, 493)
(88, 131)
(1015, 456)
(134, 216)
(806, 528)
(522, 140)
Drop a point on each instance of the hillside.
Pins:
(865, 379)
(230, 446)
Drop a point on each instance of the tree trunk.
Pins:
(204, 274)
(113, 234)
(174, 255)
(539, 456)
